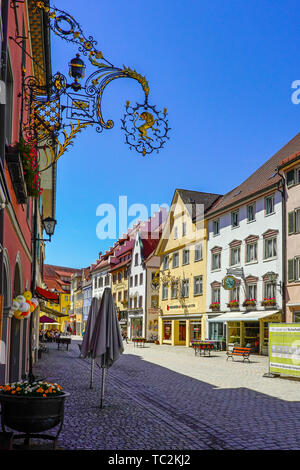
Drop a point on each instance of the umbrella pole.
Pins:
(92, 373)
(103, 384)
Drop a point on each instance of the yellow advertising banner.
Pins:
(284, 348)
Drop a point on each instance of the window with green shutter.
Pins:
(290, 178)
(291, 222)
(291, 270)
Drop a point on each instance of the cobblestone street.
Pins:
(165, 398)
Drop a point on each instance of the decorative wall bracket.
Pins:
(59, 104)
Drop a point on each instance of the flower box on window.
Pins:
(215, 306)
(269, 302)
(249, 303)
(233, 304)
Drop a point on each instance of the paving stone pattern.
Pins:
(165, 398)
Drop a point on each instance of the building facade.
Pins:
(290, 167)
(245, 271)
(182, 277)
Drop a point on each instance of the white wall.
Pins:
(227, 234)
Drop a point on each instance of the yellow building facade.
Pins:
(182, 277)
(64, 308)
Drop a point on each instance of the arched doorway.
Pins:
(15, 331)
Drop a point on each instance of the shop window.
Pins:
(251, 335)
(217, 331)
(167, 330)
(297, 317)
(234, 332)
(195, 332)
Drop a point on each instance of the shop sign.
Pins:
(153, 311)
(169, 307)
(229, 282)
(284, 348)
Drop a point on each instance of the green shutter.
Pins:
(291, 270)
(291, 222)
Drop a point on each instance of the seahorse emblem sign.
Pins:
(149, 123)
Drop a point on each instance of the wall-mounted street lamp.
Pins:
(49, 227)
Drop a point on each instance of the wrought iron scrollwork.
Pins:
(145, 127)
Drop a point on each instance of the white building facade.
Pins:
(245, 243)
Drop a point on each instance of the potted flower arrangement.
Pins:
(271, 302)
(32, 407)
(249, 303)
(29, 157)
(215, 306)
(233, 304)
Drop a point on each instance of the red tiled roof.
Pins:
(287, 161)
(262, 179)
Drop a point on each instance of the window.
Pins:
(294, 269)
(136, 259)
(165, 291)
(251, 252)
(119, 277)
(141, 279)
(270, 248)
(216, 261)
(185, 288)
(235, 219)
(175, 262)
(215, 295)
(269, 205)
(293, 177)
(216, 227)
(166, 262)
(198, 285)
(9, 102)
(175, 233)
(235, 256)
(136, 280)
(140, 301)
(251, 212)
(119, 296)
(125, 296)
(269, 290)
(234, 294)
(198, 252)
(251, 291)
(66, 298)
(131, 281)
(107, 280)
(114, 278)
(183, 229)
(294, 221)
(186, 256)
(101, 282)
(174, 289)
(125, 274)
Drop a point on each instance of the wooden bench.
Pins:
(237, 351)
(199, 347)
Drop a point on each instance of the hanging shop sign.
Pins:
(229, 282)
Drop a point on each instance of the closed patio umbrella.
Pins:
(106, 344)
(86, 343)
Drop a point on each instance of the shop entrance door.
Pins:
(182, 331)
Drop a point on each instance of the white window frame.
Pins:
(216, 224)
(215, 256)
(267, 198)
(198, 281)
(185, 251)
(266, 243)
(198, 249)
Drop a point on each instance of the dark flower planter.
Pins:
(32, 415)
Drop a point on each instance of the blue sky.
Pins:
(224, 70)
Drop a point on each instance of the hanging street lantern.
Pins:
(77, 71)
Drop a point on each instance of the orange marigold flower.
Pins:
(44, 395)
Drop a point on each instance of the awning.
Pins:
(44, 319)
(47, 295)
(51, 311)
(240, 316)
